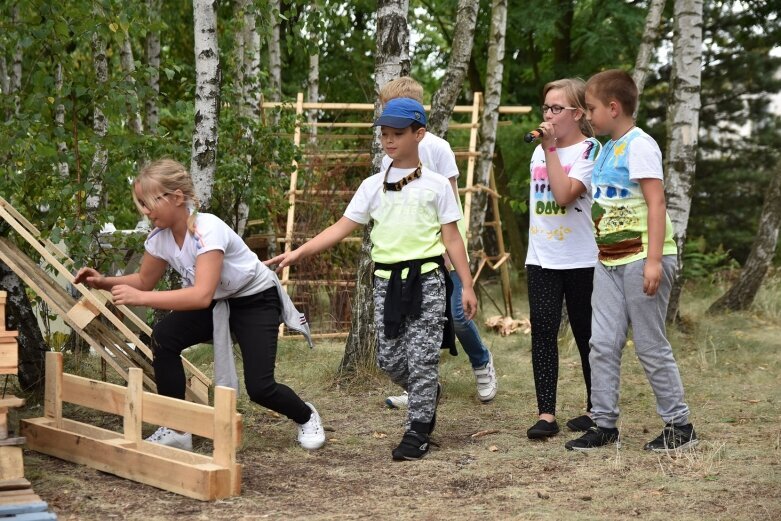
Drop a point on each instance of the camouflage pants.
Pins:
(412, 359)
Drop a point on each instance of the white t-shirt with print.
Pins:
(240, 265)
(408, 222)
(562, 237)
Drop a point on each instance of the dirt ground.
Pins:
(730, 367)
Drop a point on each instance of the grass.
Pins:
(730, 366)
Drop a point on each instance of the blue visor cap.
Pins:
(401, 113)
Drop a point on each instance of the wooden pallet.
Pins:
(112, 339)
(18, 502)
(127, 454)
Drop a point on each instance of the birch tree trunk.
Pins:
(461, 49)
(207, 100)
(5, 82)
(15, 80)
(488, 125)
(59, 120)
(129, 68)
(647, 45)
(744, 290)
(275, 54)
(683, 115)
(20, 317)
(99, 126)
(152, 55)
(391, 61)
(313, 95)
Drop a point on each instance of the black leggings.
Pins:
(547, 289)
(254, 320)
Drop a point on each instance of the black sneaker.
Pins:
(543, 429)
(581, 423)
(674, 438)
(594, 438)
(413, 446)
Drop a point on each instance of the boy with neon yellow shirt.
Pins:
(415, 212)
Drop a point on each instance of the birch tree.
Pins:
(99, 126)
(391, 61)
(207, 100)
(129, 68)
(5, 82)
(683, 114)
(15, 78)
(313, 95)
(59, 120)
(275, 53)
(461, 49)
(742, 293)
(152, 56)
(488, 123)
(647, 45)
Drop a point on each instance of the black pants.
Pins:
(547, 289)
(254, 321)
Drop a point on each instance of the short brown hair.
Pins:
(614, 84)
(404, 87)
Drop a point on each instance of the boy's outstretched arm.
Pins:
(322, 241)
(457, 253)
(653, 192)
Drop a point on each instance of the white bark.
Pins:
(489, 121)
(461, 49)
(59, 120)
(275, 53)
(207, 100)
(129, 68)
(250, 91)
(99, 126)
(15, 80)
(391, 61)
(313, 95)
(647, 45)
(683, 115)
(152, 52)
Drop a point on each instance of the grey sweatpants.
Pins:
(412, 359)
(618, 301)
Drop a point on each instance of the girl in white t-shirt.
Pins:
(225, 289)
(562, 251)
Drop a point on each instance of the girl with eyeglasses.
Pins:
(562, 251)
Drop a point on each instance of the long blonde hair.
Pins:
(575, 91)
(165, 176)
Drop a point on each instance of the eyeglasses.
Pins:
(154, 199)
(556, 109)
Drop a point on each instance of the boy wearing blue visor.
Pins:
(414, 212)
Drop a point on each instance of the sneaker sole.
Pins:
(689, 445)
(407, 458)
(540, 435)
(486, 399)
(591, 449)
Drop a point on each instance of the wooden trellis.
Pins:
(295, 192)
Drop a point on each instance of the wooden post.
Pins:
(225, 433)
(52, 400)
(291, 211)
(470, 168)
(134, 402)
(497, 224)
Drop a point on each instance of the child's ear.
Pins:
(179, 198)
(615, 109)
(420, 133)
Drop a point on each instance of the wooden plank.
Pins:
(203, 482)
(17, 441)
(27, 497)
(291, 210)
(134, 406)
(23, 508)
(224, 435)
(179, 415)
(11, 464)
(82, 313)
(470, 168)
(52, 396)
(9, 357)
(14, 484)
(11, 401)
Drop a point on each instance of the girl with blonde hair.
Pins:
(225, 289)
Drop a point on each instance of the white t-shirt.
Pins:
(562, 238)
(240, 265)
(408, 222)
(435, 154)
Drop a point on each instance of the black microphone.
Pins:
(534, 134)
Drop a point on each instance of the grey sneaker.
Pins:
(397, 402)
(171, 438)
(674, 438)
(486, 381)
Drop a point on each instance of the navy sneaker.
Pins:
(674, 438)
(594, 438)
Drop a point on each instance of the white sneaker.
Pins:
(487, 384)
(311, 434)
(171, 438)
(397, 402)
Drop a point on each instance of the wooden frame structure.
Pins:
(128, 455)
(495, 262)
(112, 339)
